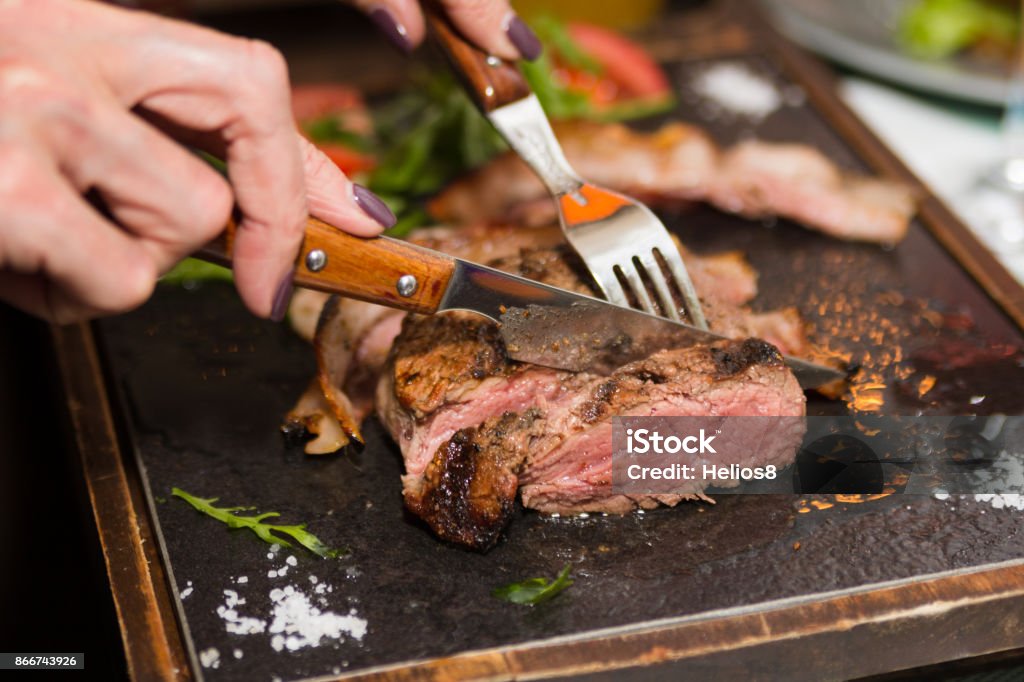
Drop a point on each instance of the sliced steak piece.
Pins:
(679, 164)
(549, 433)
(460, 408)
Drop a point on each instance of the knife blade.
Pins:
(544, 325)
(540, 324)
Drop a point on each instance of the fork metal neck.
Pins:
(525, 127)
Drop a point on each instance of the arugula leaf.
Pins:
(331, 129)
(534, 590)
(264, 531)
(194, 270)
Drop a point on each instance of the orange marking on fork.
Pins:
(600, 205)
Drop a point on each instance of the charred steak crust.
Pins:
(732, 359)
(468, 490)
(439, 353)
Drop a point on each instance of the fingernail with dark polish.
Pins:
(283, 297)
(373, 206)
(390, 27)
(523, 37)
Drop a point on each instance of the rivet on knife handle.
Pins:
(492, 82)
(379, 270)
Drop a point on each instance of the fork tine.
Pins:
(609, 284)
(631, 272)
(675, 265)
(668, 303)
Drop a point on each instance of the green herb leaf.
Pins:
(553, 34)
(332, 129)
(193, 270)
(265, 531)
(534, 590)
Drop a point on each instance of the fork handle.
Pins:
(366, 269)
(491, 82)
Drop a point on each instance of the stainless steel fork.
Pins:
(628, 251)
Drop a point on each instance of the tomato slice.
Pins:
(316, 100)
(344, 104)
(634, 72)
(347, 159)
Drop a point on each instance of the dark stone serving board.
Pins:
(203, 387)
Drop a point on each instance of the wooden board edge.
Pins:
(954, 236)
(909, 625)
(149, 631)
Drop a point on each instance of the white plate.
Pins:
(861, 34)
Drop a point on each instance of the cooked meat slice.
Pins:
(550, 432)
(351, 334)
(312, 416)
(727, 274)
(738, 378)
(457, 405)
(679, 163)
(759, 179)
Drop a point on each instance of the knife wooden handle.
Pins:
(491, 82)
(376, 270)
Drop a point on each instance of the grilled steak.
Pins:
(474, 426)
(476, 429)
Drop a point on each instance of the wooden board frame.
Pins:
(861, 632)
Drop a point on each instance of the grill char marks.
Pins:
(736, 358)
(468, 491)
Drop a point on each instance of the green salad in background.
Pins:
(987, 29)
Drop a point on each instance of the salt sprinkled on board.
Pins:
(209, 658)
(235, 623)
(733, 88)
(297, 623)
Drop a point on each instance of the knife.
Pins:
(539, 324)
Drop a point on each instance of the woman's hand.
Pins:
(491, 24)
(93, 101)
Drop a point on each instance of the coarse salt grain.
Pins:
(209, 658)
(734, 88)
(237, 653)
(185, 593)
(291, 560)
(242, 579)
(235, 623)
